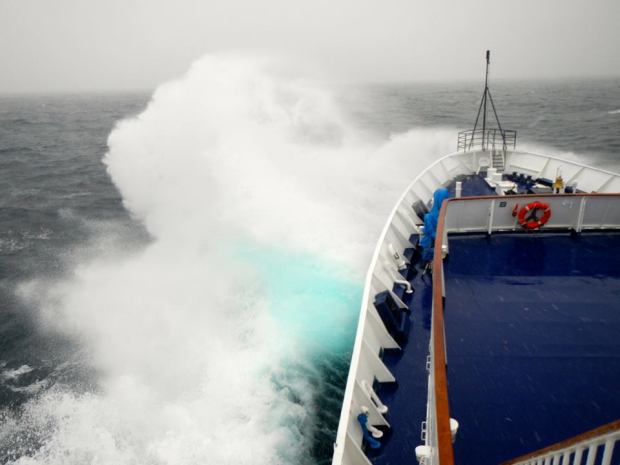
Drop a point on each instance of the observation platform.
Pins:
(532, 326)
(532, 336)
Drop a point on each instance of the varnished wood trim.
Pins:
(530, 196)
(614, 425)
(446, 453)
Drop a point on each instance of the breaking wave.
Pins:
(211, 343)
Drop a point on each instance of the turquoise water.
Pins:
(315, 305)
(314, 301)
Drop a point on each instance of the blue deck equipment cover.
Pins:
(430, 223)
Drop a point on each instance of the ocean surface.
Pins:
(193, 299)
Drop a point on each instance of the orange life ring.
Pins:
(532, 222)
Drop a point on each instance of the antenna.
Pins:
(484, 98)
(483, 107)
(495, 139)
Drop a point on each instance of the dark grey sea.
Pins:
(58, 204)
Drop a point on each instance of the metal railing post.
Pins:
(591, 454)
(485, 139)
(580, 214)
(609, 448)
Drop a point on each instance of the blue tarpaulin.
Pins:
(430, 223)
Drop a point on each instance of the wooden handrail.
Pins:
(444, 436)
(601, 430)
(529, 196)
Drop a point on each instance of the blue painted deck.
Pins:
(533, 340)
(471, 185)
(532, 334)
(474, 185)
(407, 397)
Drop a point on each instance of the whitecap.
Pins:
(15, 373)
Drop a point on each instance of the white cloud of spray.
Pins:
(264, 204)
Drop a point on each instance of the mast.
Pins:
(497, 139)
(486, 94)
(484, 98)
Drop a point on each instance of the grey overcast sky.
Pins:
(65, 45)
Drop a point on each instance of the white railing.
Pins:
(586, 178)
(371, 336)
(430, 432)
(568, 211)
(438, 428)
(596, 446)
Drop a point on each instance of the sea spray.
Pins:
(216, 342)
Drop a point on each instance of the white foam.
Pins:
(15, 373)
(184, 333)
